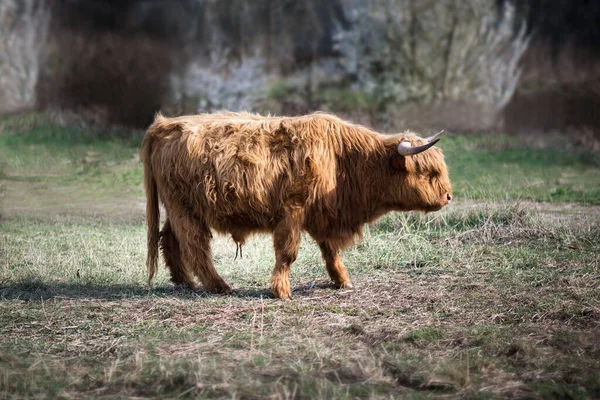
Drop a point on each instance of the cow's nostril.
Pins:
(449, 196)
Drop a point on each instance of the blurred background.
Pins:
(464, 65)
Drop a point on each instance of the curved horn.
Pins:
(405, 149)
(430, 138)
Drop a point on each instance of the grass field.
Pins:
(496, 296)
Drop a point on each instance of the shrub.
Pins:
(23, 29)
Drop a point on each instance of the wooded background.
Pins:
(466, 65)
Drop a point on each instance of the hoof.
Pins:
(225, 290)
(281, 289)
(281, 295)
(346, 285)
(183, 283)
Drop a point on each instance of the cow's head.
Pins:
(419, 174)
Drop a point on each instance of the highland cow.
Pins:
(240, 173)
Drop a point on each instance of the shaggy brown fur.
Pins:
(240, 173)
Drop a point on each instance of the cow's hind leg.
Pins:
(171, 252)
(286, 241)
(194, 241)
(335, 268)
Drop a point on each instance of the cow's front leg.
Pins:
(335, 268)
(286, 241)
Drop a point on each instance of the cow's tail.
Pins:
(152, 210)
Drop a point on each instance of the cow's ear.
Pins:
(398, 163)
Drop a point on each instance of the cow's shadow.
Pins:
(35, 290)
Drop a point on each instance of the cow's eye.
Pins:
(433, 175)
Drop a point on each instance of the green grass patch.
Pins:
(499, 167)
(57, 154)
(423, 335)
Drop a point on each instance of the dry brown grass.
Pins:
(464, 312)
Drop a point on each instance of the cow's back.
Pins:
(236, 170)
